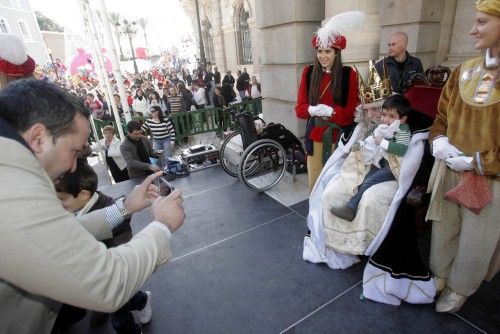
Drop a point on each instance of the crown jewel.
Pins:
(376, 89)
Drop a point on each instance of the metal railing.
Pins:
(197, 121)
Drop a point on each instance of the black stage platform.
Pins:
(238, 268)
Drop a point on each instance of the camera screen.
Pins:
(164, 187)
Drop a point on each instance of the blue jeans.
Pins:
(373, 177)
(242, 94)
(163, 144)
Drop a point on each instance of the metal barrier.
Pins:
(197, 121)
(211, 119)
(254, 107)
(99, 124)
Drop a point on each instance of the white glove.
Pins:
(442, 149)
(321, 110)
(387, 131)
(460, 164)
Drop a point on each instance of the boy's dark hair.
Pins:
(399, 103)
(26, 102)
(133, 126)
(83, 178)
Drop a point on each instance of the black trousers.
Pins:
(122, 320)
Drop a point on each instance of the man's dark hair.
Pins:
(399, 103)
(26, 102)
(133, 126)
(83, 178)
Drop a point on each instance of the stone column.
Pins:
(218, 36)
(420, 20)
(254, 68)
(286, 28)
(462, 47)
(230, 47)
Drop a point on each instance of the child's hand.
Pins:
(378, 140)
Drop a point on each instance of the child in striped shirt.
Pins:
(393, 137)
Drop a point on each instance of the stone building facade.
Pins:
(281, 33)
(229, 32)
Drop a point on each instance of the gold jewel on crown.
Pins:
(376, 89)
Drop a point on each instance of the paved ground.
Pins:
(238, 268)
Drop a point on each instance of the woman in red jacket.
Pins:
(328, 93)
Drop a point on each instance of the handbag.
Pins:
(472, 192)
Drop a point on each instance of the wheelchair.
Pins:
(259, 158)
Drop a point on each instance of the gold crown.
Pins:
(376, 89)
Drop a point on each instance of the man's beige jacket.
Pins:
(47, 257)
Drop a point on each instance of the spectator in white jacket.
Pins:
(114, 159)
(140, 103)
(199, 96)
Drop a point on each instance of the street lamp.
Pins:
(129, 28)
(49, 51)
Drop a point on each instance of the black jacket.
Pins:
(217, 77)
(229, 80)
(243, 81)
(123, 232)
(399, 84)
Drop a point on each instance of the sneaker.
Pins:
(147, 311)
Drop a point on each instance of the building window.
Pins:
(208, 41)
(243, 36)
(4, 26)
(24, 29)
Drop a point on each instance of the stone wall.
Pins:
(286, 27)
(221, 13)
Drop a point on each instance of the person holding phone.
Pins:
(49, 257)
(78, 194)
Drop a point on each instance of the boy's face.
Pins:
(390, 115)
(73, 204)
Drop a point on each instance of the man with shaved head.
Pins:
(400, 65)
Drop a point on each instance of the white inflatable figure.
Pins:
(382, 131)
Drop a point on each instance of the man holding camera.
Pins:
(47, 256)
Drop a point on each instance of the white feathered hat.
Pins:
(332, 34)
(14, 61)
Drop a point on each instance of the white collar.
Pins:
(89, 205)
(490, 61)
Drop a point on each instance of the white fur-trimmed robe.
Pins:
(315, 249)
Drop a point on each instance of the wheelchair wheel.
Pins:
(262, 165)
(230, 154)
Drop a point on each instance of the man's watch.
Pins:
(121, 207)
